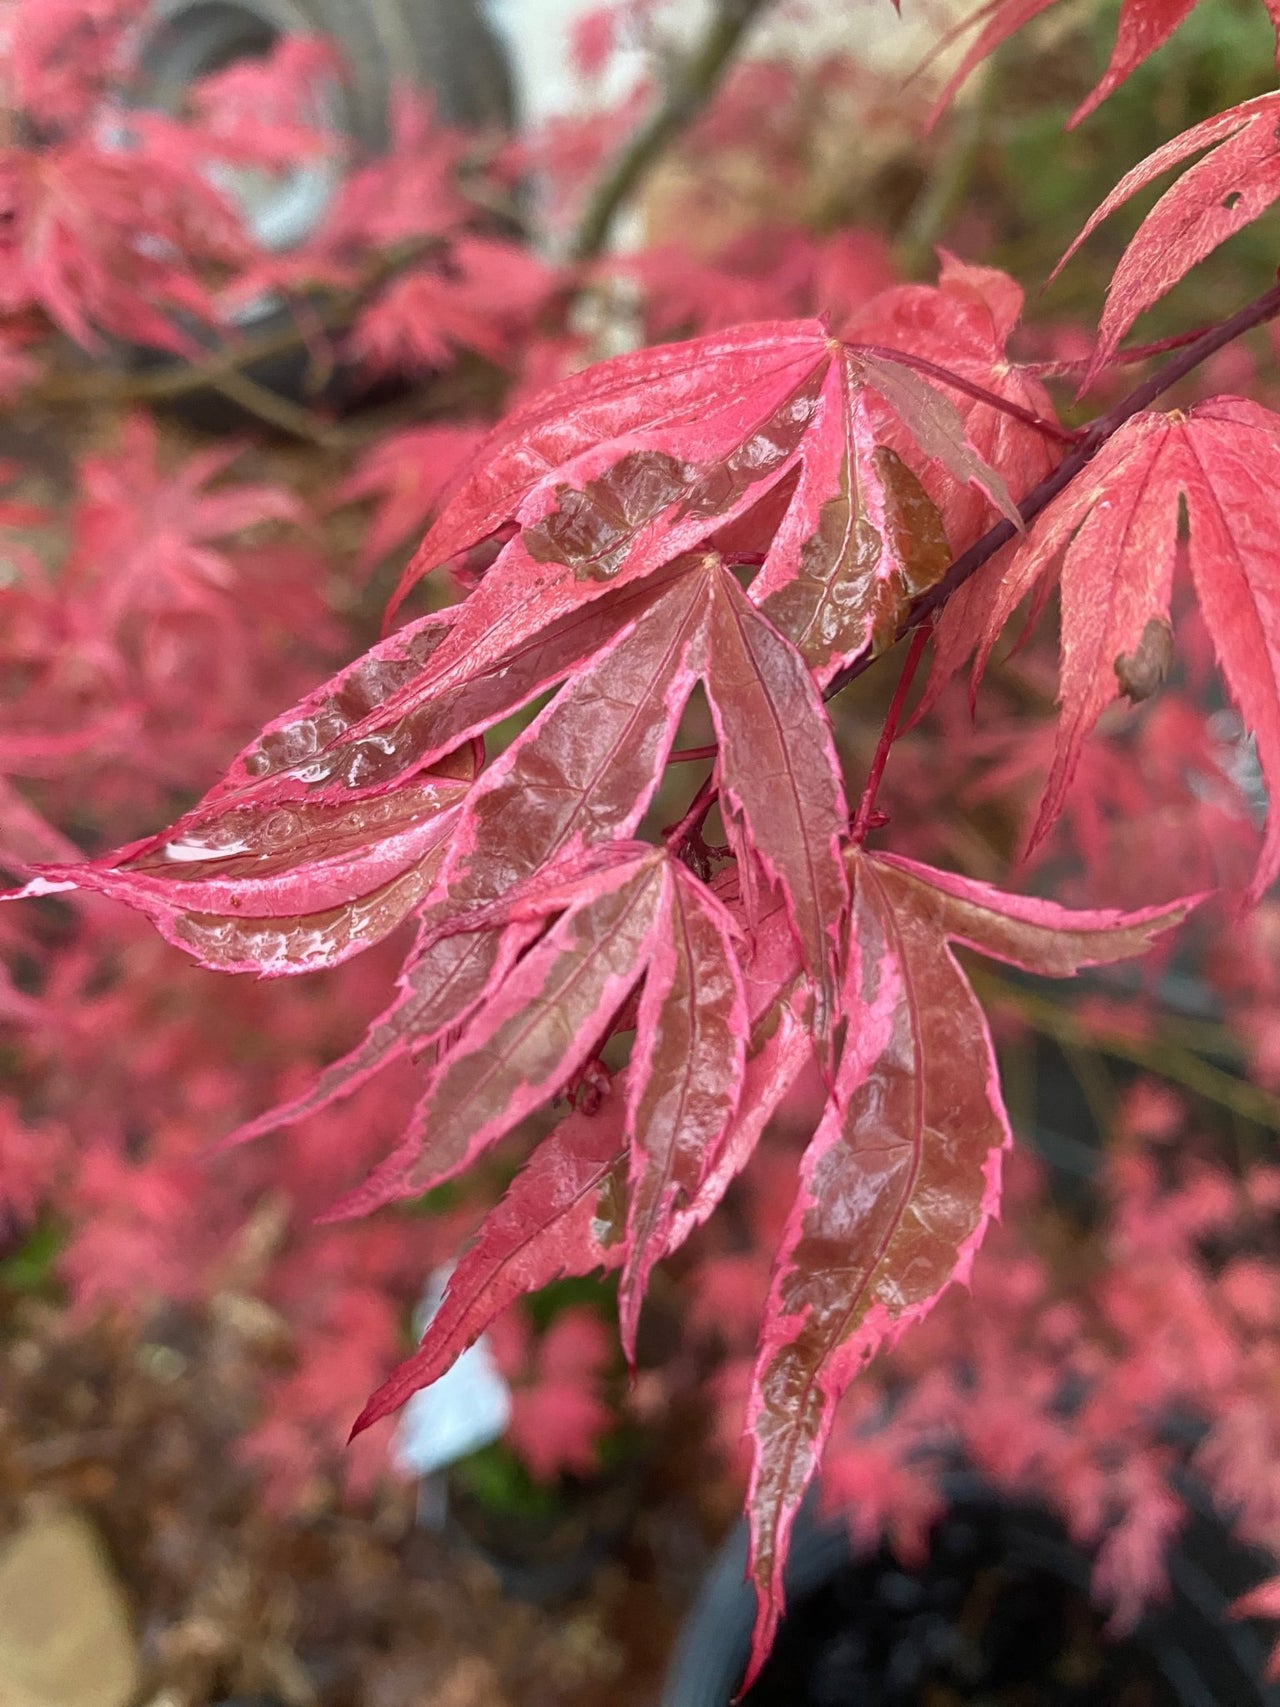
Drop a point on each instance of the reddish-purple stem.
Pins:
(687, 755)
(944, 376)
(1122, 358)
(866, 806)
(703, 801)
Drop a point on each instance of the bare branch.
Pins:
(689, 87)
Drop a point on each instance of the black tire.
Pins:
(444, 47)
(441, 45)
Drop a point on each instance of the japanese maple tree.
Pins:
(715, 535)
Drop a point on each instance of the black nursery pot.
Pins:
(999, 1614)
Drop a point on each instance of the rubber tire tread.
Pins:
(444, 46)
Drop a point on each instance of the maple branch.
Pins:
(689, 85)
(179, 378)
(171, 379)
(866, 806)
(944, 376)
(277, 410)
(703, 801)
(947, 184)
(1123, 358)
(223, 368)
(1255, 313)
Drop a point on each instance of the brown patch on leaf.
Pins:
(1141, 673)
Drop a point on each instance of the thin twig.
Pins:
(279, 411)
(1129, 357)
(1256, 313)
(866, 806)
(689, 86)
(179, 378)
(703, 801)
(687, 755)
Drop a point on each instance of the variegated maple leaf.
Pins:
(903, 1173)
(611, 480)
(633, 502)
